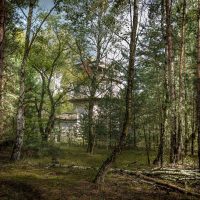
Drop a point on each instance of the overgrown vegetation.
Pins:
(34, 177)
(94, 92)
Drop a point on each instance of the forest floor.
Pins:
(33, 178)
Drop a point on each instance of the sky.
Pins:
(43, 4)
(46, 4)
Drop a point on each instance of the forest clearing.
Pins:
(99, 99)
(35, 177)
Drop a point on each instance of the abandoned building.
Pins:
(68, 124)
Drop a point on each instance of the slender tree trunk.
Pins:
(51, 119)
(181, 83)
(110, 128)
(146, 146)
(159, 157)
(111, 122)
(50, 125)
(20, 110)
(99, 178)
(149, 139)
(133, 123)
(91, 133)
(39, 107)
(186, 127)
(163, 116)
(193, 127)
(2, 41)
(171, 81)
(93, 89)
(134, 132)
(21, 104)
(198, 83)
(163, 110)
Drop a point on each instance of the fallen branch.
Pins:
(156, 181)
(143, 175)
(70, 166)
(169, 185)
(174, 172)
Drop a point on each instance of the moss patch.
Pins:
(32, 179)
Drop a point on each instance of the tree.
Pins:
(159, 50)
(2, 43)
(54, 64)
(20, 113)
(21, 104)
(198, 82)
(99, 178)
(181, 82)
(93, 39)
(171, 81)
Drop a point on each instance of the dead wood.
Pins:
(145, 175)
(158, 182)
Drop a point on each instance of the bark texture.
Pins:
(91, 132)
(93, 88)
(171, 82)
(29, 40)
(21, 107)
(2, 41)
(181, 84)
(39, 107)
(164, 101)
(198, 82)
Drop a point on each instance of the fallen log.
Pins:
(174, 172)
(157, 182)
(142, 175)
(169, 185)
(183, 173)
(72, 166)
(174, 169)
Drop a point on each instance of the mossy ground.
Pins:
(31, 178)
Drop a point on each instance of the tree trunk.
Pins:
(49, 127)
(93, 88)
(159, 157)
(51, 119)
(110, 128)
(134, 132)
(164, 102)
(21, 104)
(99, 178)
(198, 83)
(181, 84)
(40, 107)
(171, 82)
(2, 41)
(91, 133)
(20, 110)
(193, 126)
(146, 146)
(159, 182)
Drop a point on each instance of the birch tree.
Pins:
(29, 40)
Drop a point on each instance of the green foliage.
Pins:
(88, 31)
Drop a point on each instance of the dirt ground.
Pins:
(33, 180)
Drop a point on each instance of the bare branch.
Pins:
(40, 26)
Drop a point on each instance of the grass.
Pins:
(77, 155)
(30, 178)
